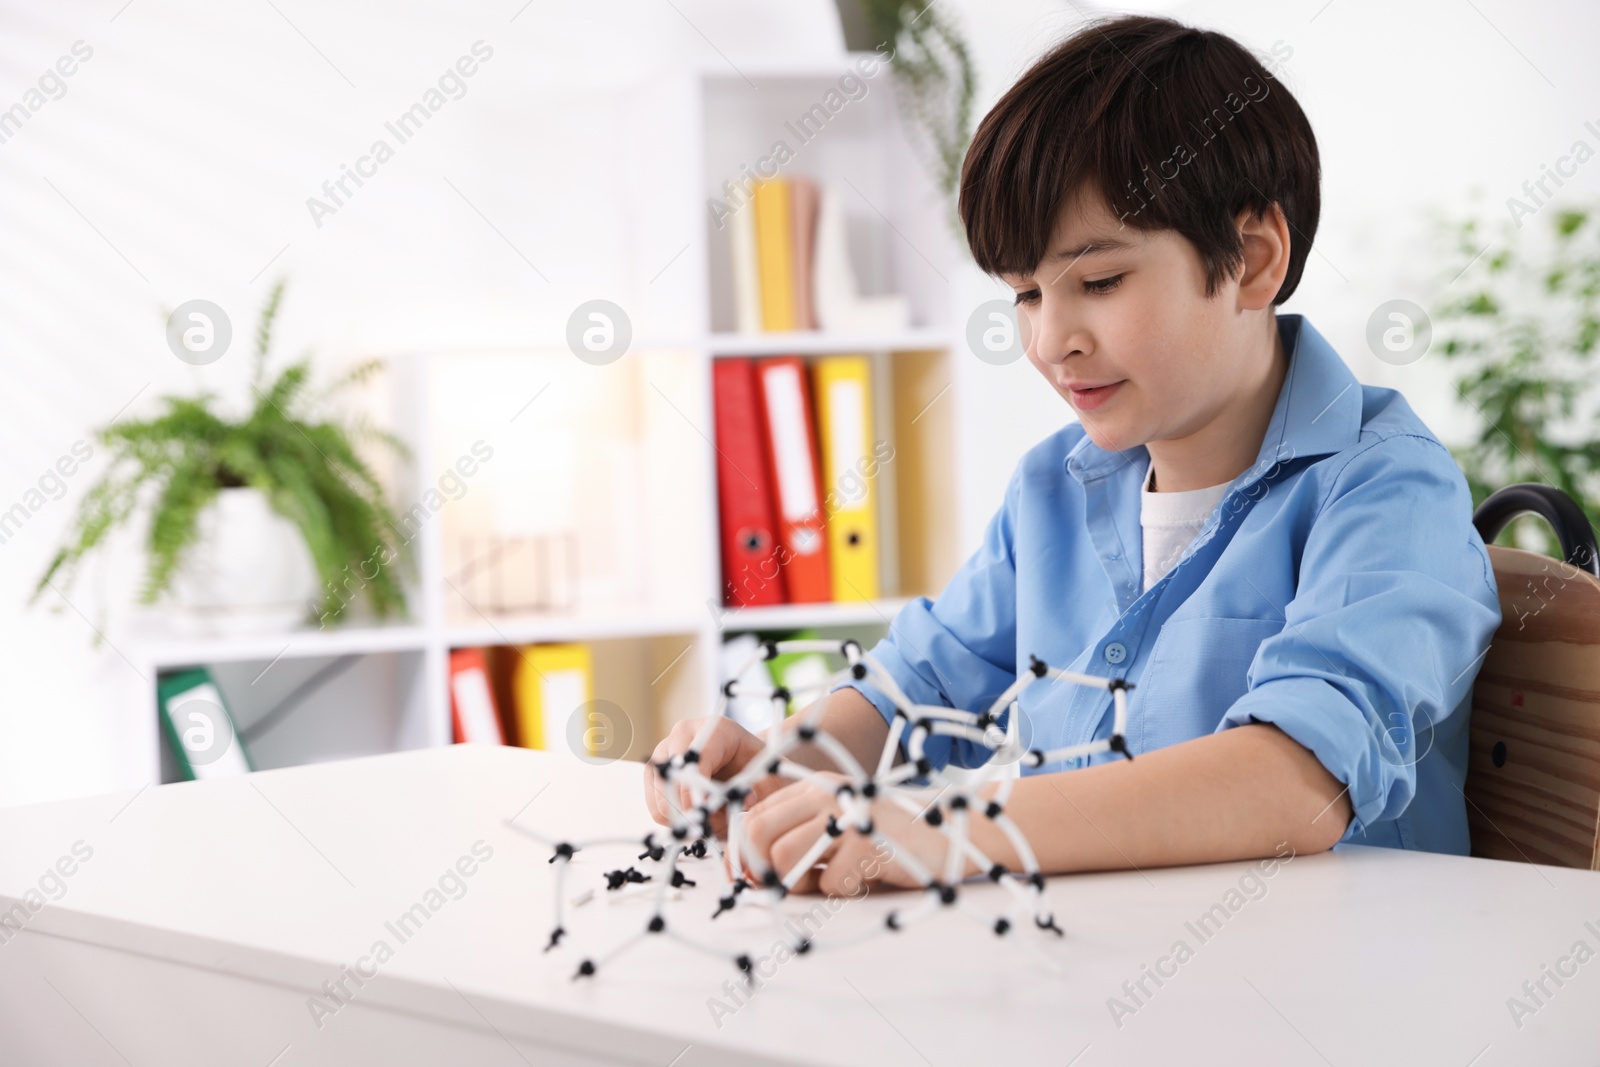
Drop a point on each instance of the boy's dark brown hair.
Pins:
(1178, 128)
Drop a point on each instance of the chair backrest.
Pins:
(1533, 773)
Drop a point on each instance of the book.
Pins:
(775, 253)
(743, 259)
(803, 204)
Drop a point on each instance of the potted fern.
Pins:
(1520, 321)
(255, 523)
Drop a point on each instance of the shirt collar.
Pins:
(1318, 412)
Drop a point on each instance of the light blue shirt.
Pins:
(1338, 590)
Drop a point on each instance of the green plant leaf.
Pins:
(306, 465)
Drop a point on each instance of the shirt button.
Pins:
(1113, 555)
(1115, 652)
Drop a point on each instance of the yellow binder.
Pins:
(843, 390)
(550, 684)
(775, 254)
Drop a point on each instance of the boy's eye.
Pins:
(1030, 296)
(1102, 285)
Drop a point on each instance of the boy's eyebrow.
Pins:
(1089, 248)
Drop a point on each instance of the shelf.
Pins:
(625, 457)
(531, 627)
(164, 649)
(802, 616)
(821, 342)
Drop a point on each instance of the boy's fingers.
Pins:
(764, 787)
(781, 814)
(810, 882)
(727, 750)
(728, 747)
(852, 869)
(654, 798)
(719, 822)
(792, 845)
(652, 793)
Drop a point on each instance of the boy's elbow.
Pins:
(1322, 810)
(1326, 828)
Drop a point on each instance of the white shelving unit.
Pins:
(657, 651)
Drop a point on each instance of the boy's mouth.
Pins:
(1087, 398)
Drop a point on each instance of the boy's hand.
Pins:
(784, 825)
(724, 755)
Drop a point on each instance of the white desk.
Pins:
(209, 913)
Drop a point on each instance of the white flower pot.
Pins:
(248, 572)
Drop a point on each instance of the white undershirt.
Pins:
(1170, 522)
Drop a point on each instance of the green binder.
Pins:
(199, 726)
(800, 670)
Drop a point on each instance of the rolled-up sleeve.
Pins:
(953, 651)
(1394, 607)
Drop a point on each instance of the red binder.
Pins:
(750, 571)
(796, 478)
(472, 708)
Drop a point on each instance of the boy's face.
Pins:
(1124, 308)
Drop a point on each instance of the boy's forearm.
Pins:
(853, 721)
(1238, 794)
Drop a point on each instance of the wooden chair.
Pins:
(1533, 773)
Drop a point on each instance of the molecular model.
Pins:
(692, 836)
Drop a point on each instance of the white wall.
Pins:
(179, 160)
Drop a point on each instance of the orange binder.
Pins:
(792, 441)
(750, 571)
(472, 708)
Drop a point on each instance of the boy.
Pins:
(1280, 559)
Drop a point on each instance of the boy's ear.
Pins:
(1266, 257)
